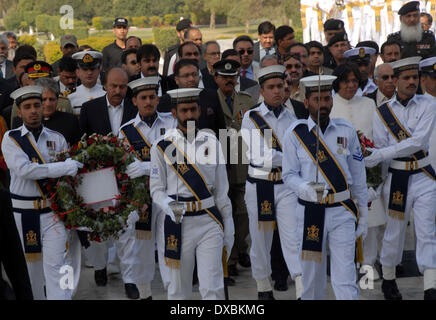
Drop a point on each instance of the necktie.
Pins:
(229, 103)
(243, 73)
(267, 52)
(277, 111)
(1, 73)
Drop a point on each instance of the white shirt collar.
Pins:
(25, 131)
(109, 105)
(311, 124)
(138, 119)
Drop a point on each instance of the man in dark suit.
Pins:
(107, 113)
(148, 56)
(211, 54)
(265, 45)
(384, 79)
(181, 27)
(11, 255)
(187, 76)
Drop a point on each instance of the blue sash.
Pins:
(400, 178)
(30, 222)
(194, 181)
(266, 211)
(314, 213)
(142, 151)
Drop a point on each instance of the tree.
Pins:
(216, 7)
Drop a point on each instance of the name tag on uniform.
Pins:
(342, 145)
(162, 131)
(51, 145)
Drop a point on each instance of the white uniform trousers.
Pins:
(48, 271)
(73, 257)
(311, 31)
(202, 238)
(160, 244)
(261, 240)
(421, 198)
(287, 223)
(339, 233)
(372, 244)
(143, 266)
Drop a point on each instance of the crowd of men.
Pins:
(284, 188)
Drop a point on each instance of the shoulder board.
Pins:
(130, 122)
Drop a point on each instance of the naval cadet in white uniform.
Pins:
(188, 180)
(330, 215)
(402, 128)
(141, 132)
(29, 153)
(269, 203)
(89, 68)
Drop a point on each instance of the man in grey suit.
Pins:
(265, 45)
(6, 66)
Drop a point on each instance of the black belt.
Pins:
(304, 202)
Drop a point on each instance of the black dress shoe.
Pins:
(230, 282)
(100, 277)
(244, 260)
(267, 295)
(148, 298)
(132, 291)
(430, 294)
(232, 271)
(390, 290)
(281, 285)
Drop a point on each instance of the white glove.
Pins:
(372, 194)
(67, 168)
(362, 229)
(229, 234)
(307, 193)
(374, 159)
(137, 169)
(132, 218)
(170, 213)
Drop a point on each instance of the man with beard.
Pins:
(402, 128)
(234, 105)
(413, 39)
(328, 217)
(196, 182)
(361, 58)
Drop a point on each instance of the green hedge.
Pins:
(164, 37)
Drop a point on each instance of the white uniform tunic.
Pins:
(418, 117)
(84, 94)
(202, 237)
(53, 233)
(141, 253)
(339, 226)
(284, 198)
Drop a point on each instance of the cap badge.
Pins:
(434, 67)
(37, 67)
(87, 58)
(228, 66)
(361, 53)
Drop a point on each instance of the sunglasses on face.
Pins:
(387, 76)
(242, 51)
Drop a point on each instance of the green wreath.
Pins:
(98, 152)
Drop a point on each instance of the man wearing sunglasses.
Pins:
(249, 68)
(384, 79)
(294, 72)
(129, 62)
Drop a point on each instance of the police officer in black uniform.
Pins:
(409, 16)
